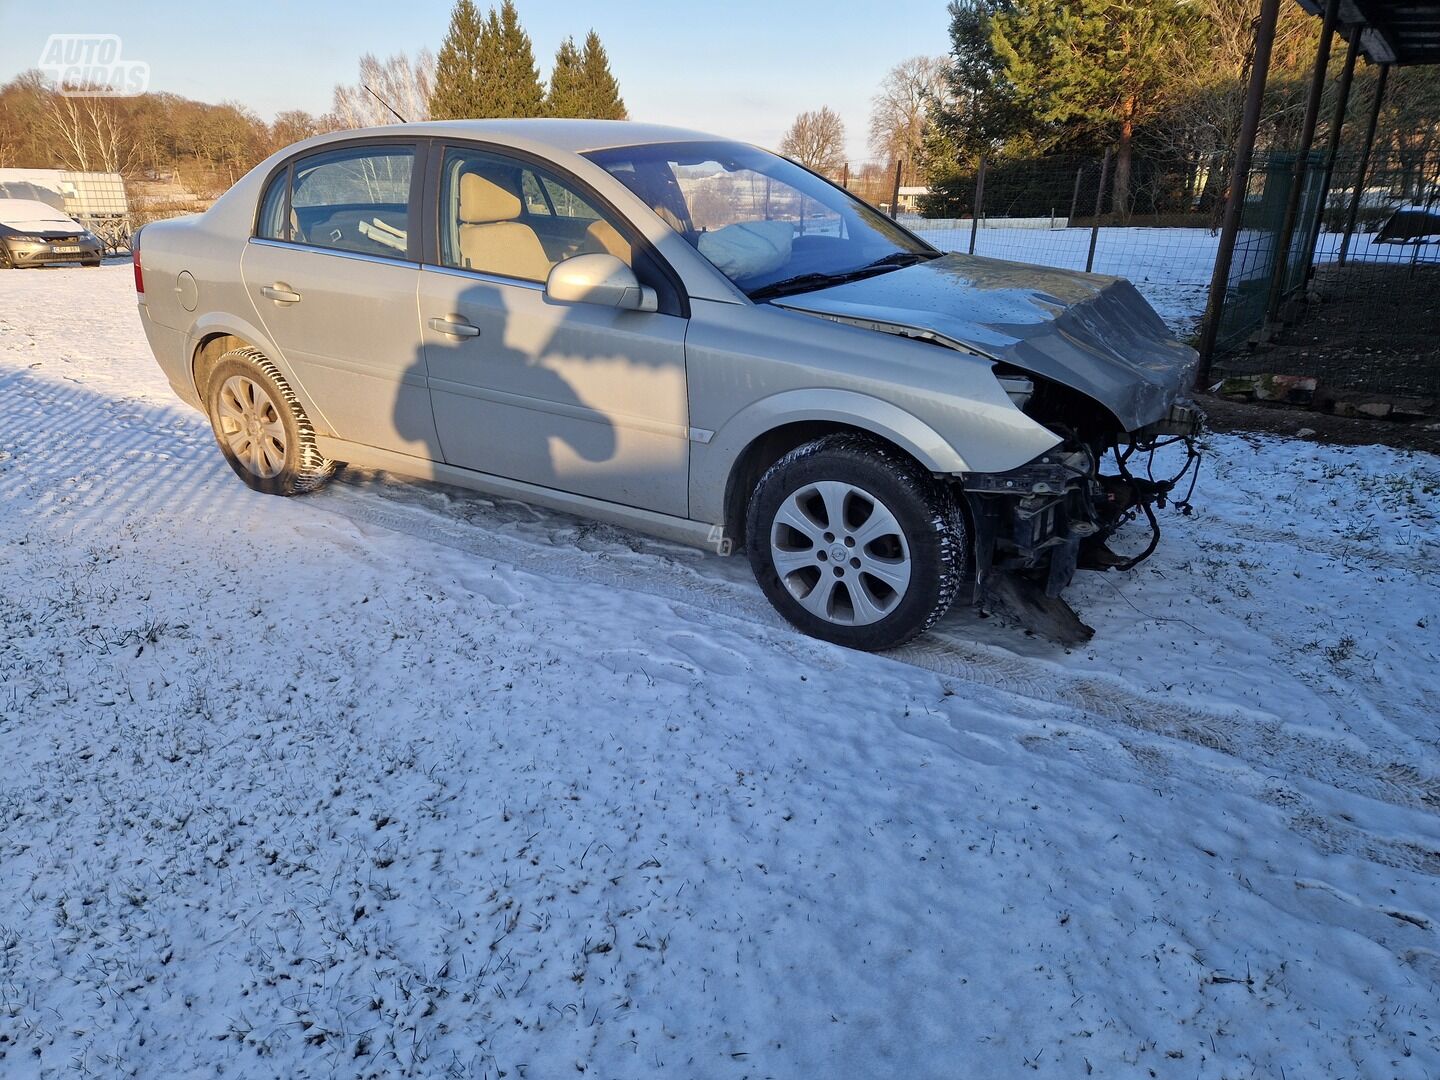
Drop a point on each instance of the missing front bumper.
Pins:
(1052, 516)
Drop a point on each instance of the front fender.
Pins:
(711, 461)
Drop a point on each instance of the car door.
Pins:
(578, 397)
(333, 272)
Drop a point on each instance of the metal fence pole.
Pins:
(1239, 182)
(1099, 205)
(845, 175)
(979, 202)
(1302, 160)
(1332, 147)
(1364, 167)
(1075, 195)
(895, 190)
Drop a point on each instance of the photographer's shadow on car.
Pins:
(498, 401)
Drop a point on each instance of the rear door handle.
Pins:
(454, 327)
(281, 293)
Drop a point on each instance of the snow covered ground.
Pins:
(395, 780)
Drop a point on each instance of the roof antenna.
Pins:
(382, 101)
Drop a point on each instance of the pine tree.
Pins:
(979, 112)
(1096, 66)
(517, 87)
(567, 96)
(458, 90)
(493, 95)
(602, 92)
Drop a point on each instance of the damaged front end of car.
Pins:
(1034, 526)
(1083, 356)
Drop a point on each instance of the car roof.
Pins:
(573, 136)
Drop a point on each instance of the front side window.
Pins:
(499, 216)
(356, 199)
(768, 225)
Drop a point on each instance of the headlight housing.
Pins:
(1019, 387)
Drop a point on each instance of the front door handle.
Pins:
(280, 293)
(454, 327)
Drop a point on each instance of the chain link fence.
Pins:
(1061, 211)
(1354, 302)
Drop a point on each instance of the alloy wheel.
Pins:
(840, 553)
(250, 423)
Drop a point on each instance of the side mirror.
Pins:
(599, 278)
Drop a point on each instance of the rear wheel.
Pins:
(261, 427)
(855, 543)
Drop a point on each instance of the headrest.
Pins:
(482, 200)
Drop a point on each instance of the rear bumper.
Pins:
(51, 252)
(172, 354)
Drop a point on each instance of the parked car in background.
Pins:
(676, 333)
(34, 233)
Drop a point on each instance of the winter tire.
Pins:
(261, 428)
(854, 543)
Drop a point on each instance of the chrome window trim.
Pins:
(480, 275)
(296, 245)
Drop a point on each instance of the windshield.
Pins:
(768, 225)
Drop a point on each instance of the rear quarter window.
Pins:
(272, 225)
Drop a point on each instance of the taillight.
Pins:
(135, 261)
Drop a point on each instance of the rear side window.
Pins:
(356, 199)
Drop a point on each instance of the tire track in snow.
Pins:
(1259, 741)
(1115, 756)
(1348, 551)
(1257, 738)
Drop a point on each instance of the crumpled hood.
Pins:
(1092, 333)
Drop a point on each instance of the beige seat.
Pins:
(490, 238)
(602, 236)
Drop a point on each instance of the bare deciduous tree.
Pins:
(816, 140)
(404, 82)
(900, 111)
(88, 134)
(291, 126)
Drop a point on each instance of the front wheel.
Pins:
(854, 543)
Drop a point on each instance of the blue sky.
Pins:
(742, 69)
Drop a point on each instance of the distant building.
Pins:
(910, 198)
(89, 197)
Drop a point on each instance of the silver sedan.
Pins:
(676, 333)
